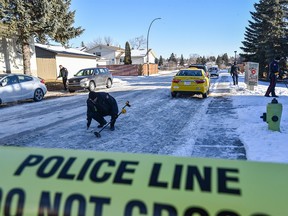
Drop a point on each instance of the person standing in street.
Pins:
(64, 74)
(99, 105)
(273, 73)
(234, 73)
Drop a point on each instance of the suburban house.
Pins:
(139, 56)
(45, 59)
(111, 53)
(49, 58)
(11, 59)
(115, 55)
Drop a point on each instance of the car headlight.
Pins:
(84, 80)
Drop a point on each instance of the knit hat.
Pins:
(92, 95)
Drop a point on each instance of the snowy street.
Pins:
(214, 127)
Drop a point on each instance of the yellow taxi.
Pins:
(190, 81)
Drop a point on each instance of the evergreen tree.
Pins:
(219, 61)
(201, 60)
(225, 59)
(42, 20)
(172, 58)
(182, 61)
(160, 63)
(156, 61)
(127, 57)
(266, 34)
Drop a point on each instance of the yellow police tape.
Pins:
(69, 182)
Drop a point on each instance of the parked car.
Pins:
(190, 81)
(200, 66)
(214, 71)
(90, 78)
(15, 87)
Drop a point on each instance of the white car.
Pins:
(15, 87)
(214, 71)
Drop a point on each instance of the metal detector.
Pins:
(123, 110)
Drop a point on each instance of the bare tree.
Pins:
(94, 43)
(100, 41)
(108, 40)
(138, 42)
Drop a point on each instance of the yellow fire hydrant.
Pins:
(273, 115)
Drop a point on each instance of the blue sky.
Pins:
(203, 27)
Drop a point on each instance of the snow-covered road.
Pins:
(155, 123)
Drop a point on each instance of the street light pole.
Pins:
(235, 55)
(148, 43)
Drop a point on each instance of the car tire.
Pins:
(92, 86)
(71, 91)
(173, 94)
(109, 83)
(204, 95)
(38, 95)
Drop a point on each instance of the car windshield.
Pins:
(189, 73)
(84, 72)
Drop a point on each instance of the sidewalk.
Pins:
(61, 93)
(220, 140)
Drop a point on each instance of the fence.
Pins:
(133, 70)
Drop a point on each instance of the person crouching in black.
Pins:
(99, 105)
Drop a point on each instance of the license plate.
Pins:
(187, 83)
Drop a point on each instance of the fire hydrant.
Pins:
(273, 115)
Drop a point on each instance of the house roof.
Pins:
(138, 53)
(63, 50)
(107, 47)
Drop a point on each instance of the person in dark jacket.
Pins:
(64, 74)
(99, 105)
(273, 73)
(234, 73)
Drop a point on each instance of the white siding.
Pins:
(11, 57)
(113, 55)
(137, 60)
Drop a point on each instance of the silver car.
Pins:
(15, 87)
(214, 71)
(90, 78)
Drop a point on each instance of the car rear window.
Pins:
(190, 73)
(102, 70)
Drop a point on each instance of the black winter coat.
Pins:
(105, 105)
(234, 70)
(273, 68)
(63, 72)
